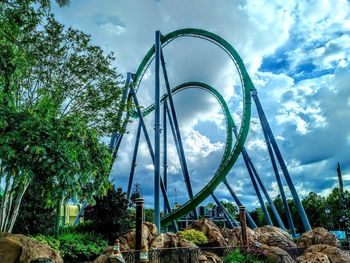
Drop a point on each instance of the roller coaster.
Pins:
(233, 148)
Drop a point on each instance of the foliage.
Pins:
(237, 256)
(58, 96)
(149, 214)
(110, 215)
(33, 218)
(315, 206)
(49, 241)
(78, 246)
(75, 246)
(194, 236)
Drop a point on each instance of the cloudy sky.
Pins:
(297, 54)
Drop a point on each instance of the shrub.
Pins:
(79, 246)
(110, 215)
(49, 241)
(194, 236)
(75, 247)
(237, 256)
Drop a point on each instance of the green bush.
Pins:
(49, 241)
(75, 247)
(237, 256)
(194, 236)
(79, 246)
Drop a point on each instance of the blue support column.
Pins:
(279, 183)
(133, 162)
(251, 222)
(157, 133)
(165, 152)
(117, 137)
(257, 191)
(150, 148)
(263, 188)
(177, 131)
(231, 221)
(284, 169)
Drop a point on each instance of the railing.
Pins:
(190, 255)
(167, 255)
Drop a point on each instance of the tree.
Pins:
(58, 96)
(34, 218)
(110, 215)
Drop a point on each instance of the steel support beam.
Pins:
(157, 133)
(177, 131)
(263, 188)
(165, 151)
(231, 221)
(133, 161)
(251, 222)
(284, 169)
(117, 137)
(279, 182)
(150, 148)
(257, 191)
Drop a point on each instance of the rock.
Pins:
(233, 236)
(275, 254)
(166, 240)
(10, 251)
(334, 254)
(274, 236)
(149, 233)
(101, 259)
(185, 243)
(318, 235)
(29, 249)
(211, 257)
(313, 257)
(211, 231)
(202, 259)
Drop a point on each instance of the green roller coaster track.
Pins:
(231, 153)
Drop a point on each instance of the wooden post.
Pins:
(141, 254)
(243, 220)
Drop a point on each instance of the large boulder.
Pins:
(274, 254)
(183, 242)
(233, 236)
(211, 231)
(318, 235)
(313, 257)
(211, 257)
(19, 248)
(334, 254)
(274, 236)
(149, 233)
(164, 240)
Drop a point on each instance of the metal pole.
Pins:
(148, 141)
(257, 191)
(344, 205)
(284, 169)
(172, 126)
(262, 186)
(279, 182)
(177, 130)
(133, 162)
(157, 134)
(231, 221)
(165, 152)
(242, 216)
(117, 137)
(238, 202)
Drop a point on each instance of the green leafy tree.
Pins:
(110, 215)
(58, 96)
(194, 236)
